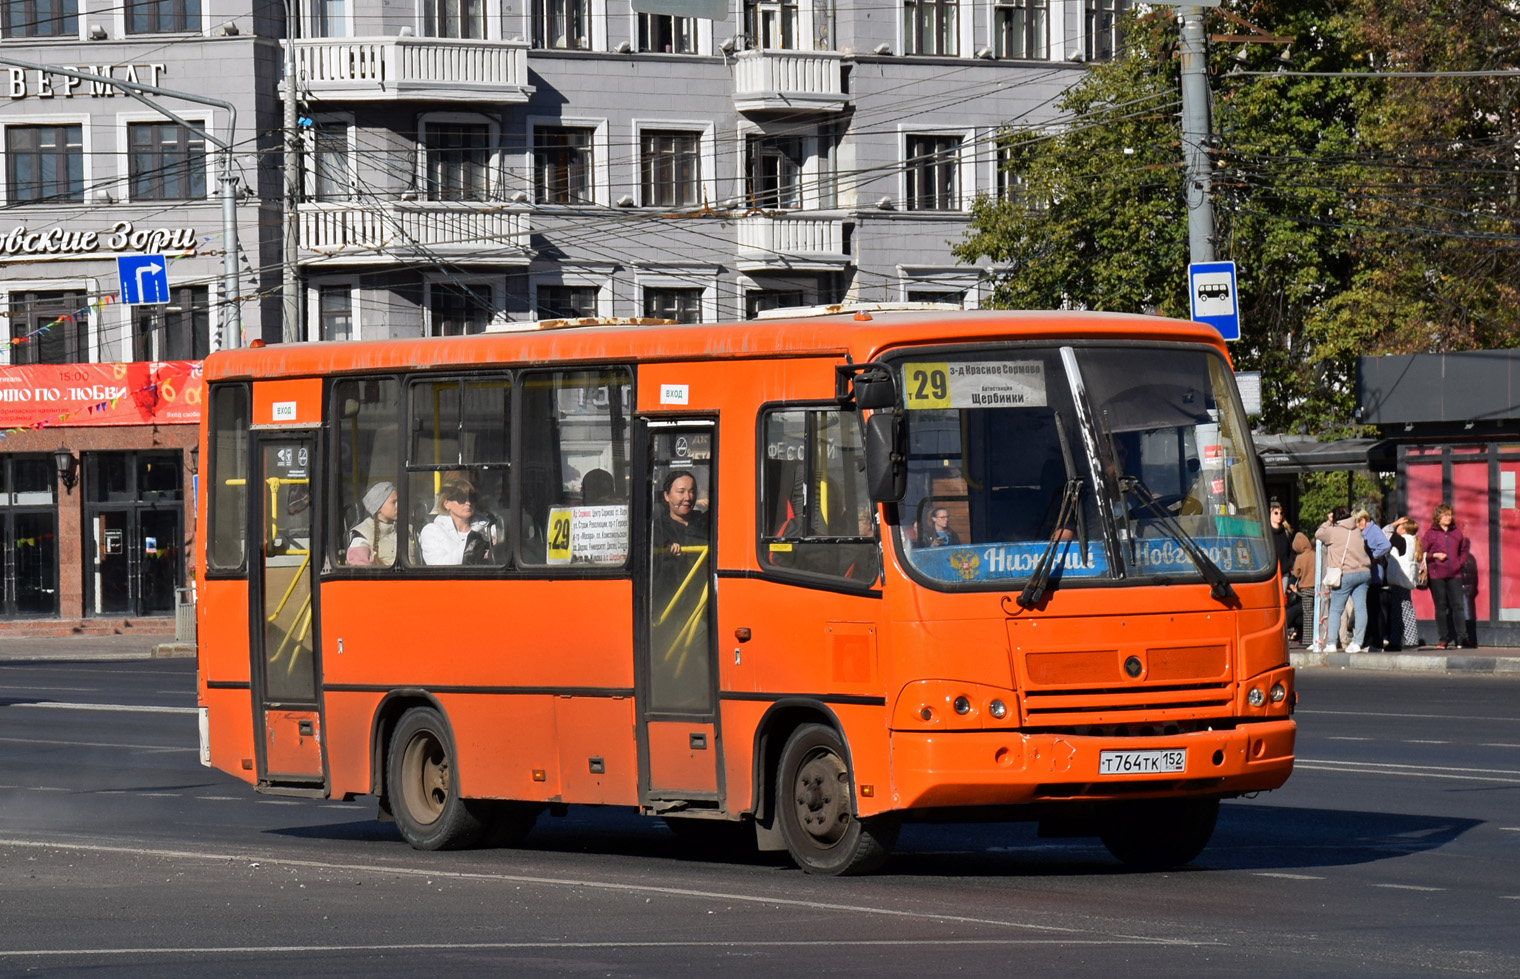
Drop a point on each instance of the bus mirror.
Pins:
(874, 390)
(886, 467)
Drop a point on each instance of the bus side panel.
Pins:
(222, 632)
(598, 760)
(230, 720)
(346, 734)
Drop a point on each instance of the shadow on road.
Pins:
(1247, 838)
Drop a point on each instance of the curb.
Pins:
(1407, 662)
(174, 650)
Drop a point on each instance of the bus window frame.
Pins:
(816, 580)
(330, 423)
(212, 571)
(896, 356)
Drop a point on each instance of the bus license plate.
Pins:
(1158, 762)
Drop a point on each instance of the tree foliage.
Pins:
(1365, 214)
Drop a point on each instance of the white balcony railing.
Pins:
(432, 68)
(804, 240)
(767, 80)
(432, 229)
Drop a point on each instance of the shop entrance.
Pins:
(28, 537)
(134, 525)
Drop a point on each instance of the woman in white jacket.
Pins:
(1403, 570)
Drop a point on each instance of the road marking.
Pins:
(93, 744)
(1511, 829)
(160, 795)
(1288, 876)
(1498, 744)
(279, 802)
(9, 687)
(48, 788)
(1348, 739)
(219, 798)
(129, 708)
(434, 873)
(1408, 887)
(1416, 741)
(1432, 717)
(1414, 771)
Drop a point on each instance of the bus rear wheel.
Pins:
(1159, 834)
(814, 788)
(422, 782)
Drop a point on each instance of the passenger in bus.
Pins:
(938, 532)
(598, 489)
(452, 537)
(680, 524)
(372, 542)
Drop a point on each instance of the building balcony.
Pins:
(772, 81)
(435, 69)
(371, 233)
(805, 240)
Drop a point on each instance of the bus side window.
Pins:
(366, 419)
(816, 515)
(457, 467)
(573, 467)
(227, 496)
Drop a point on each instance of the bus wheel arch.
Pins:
(778, 723)
(422, 784)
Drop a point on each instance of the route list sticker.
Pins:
(984, 384)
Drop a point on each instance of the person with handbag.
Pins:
(1348, 569)
(1445, 552)
(1404, 569)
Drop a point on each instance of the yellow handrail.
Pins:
(701, 552)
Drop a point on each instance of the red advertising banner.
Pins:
(138, 393)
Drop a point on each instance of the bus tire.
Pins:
(814, 789)
(1159, 834)
(422, 783)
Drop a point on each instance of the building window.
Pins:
(929, 27)
(332, 173)
(757, 301)
(566, 302)
(458, 161)
(335, 311)
(28, 536)
(1020, 29)
(329, 18)
(167, 163)
(44, 163)
(772, 23)
(458, 309)
(453, 18)
(671, 175)
(662, 33)
(39, 18)
(1101, 35)
(561, 165)
(563, 24)
(681, 305)
(163, 16)
(180, 330)
(830, 137)
(49, 328)
(933, 165)
(1013, 187)
(955, 297)
(774, 171)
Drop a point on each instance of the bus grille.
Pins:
(1110, 707)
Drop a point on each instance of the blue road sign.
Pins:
(1211, 287)
(144, 279)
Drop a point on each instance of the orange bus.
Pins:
(803, 577)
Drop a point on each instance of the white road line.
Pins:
(1509, 897)
(434, 873)
(93, 744)
(9, 687)
(160, 795)
(1431, 717)
(219, 798)
(279, 802)
(1348, 739)
(1287, 876)
(130, 708)
(1416, 741)
(1498, 744)
(1410, 771)
(505, 946)
(47, 788)
(1510, 829)
(1408, 887)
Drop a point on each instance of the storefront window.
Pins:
(28, 536)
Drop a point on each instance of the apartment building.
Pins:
(464, 163)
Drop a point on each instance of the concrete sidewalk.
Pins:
(1496, 659)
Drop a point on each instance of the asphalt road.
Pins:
(1393, 851)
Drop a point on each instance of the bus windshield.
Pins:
(1078, 463)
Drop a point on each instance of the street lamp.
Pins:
(68, 467)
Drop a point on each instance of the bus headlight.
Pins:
(1256, 698)
(962, 705)
(997, 709)
(1278, 693)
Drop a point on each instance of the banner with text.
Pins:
(137, 393)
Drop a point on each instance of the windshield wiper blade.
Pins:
(1039, 578)
(1219, 585)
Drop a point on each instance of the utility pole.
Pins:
(1195, 134)
(290, 299)
(232, 314)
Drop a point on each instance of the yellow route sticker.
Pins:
(926, 386)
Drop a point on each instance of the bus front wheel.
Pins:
(813, 806)
(423, 786)
(1159, 834)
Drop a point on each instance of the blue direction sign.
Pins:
(144, 279)
(1211, 287)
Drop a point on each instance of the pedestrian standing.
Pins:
(1402, 577)
(1377, 550)
(1346, 573)
(1470, 598)
(1445, 553)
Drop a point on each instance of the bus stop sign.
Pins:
(1215, 300)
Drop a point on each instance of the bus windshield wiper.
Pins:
(1219, 585)
(1039, 578)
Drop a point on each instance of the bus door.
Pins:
(675, 673)
(282, 618)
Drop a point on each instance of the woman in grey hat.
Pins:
(373, 541)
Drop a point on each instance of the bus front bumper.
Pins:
(993, 768)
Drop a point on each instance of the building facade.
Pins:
(462, 165)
